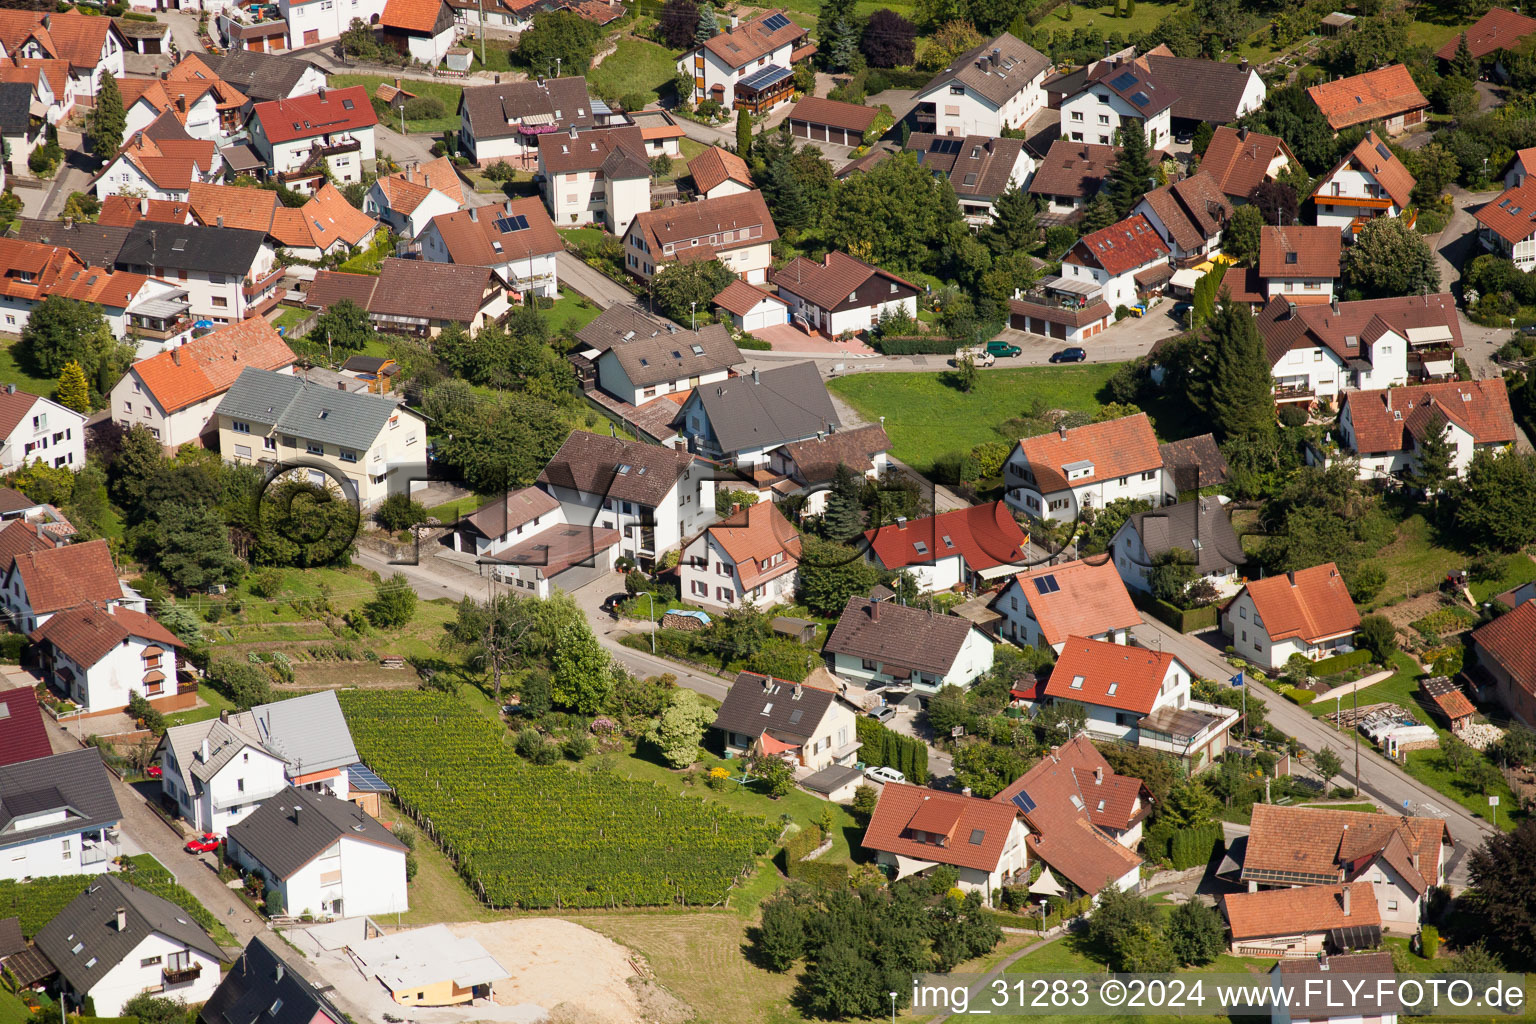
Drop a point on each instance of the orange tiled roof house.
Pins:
(1306, 612)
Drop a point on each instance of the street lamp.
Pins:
(693, 316)
(652, 599)
(893, 1008)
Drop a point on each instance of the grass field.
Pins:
(1103, 21)
(11, 371)
(571, 312)
(1416, 562)
(637, 66)
(289, 317)
(448, 94)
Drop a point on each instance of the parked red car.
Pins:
(205, 843)
(153, 771)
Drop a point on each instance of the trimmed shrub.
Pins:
(1341, 662)
(1429, 942)
(927, 345)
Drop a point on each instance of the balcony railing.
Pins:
(182, 975)
(254, 288)
(1294, 393)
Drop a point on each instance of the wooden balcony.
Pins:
(182, 975)
(1292, 393)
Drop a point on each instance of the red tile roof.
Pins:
(1109, 675)
(1116, 448)
(1120, 248)
(250, 208)
(986, 536)
(1309, 604)
(328, 112)
(755, 534)
(1507, 642)
(1300, 251)
(1072, 169)
(23, 736)
(205, 367)
(736, 215)
(855, 117)
(1090, 599)
(125, 211)
(1512, 216)
(58, 578)
(78, 38)
(435, 174)
(326, 219)
(1375, 158)
(741, 298)
(829, 283)
(1385, 420)
(1373, 96)
(86, 633)
(1343, 330)
(412, 15)
(472, 236)
(974, 831)
(716, 166)
(1497, 30)
(17, 536)
(1307, 910)
(1321, 845)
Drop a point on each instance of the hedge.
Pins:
(799, 846)
(1296, 695)
(1186, 847)
(823, 874)
(883, 747)
(1340, 663)
(1185, 620)
(924, 345)
(1429, 942)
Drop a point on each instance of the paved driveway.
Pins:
(600, 288)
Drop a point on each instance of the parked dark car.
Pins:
(1069, 355)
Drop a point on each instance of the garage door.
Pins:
(764, 318)
(819, 132)
(1059, 331)
(800, 129)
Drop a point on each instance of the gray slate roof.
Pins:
(786, 403)
(261, 76)
(90, 921)
(75, 779)
(1020, 63)
(492, 108)
(899, 637)
(97, 244)
(751, 709)
(297, 825)
(651, 350)
(1201, 528)
(308, 733)
(15, 101)
(215, 250)
(260, 981)
(348, 419)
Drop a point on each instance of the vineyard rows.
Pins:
(546, 837)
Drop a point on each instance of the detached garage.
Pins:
(750, 307)
(824, 120)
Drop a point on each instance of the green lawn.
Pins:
(216, 702)
(582, 237)
(571, 312)
(448, 511)
(637, 66)
(1416, 563)
(11, 371)
(1103, 20)
(290, 317)
(498, 53)
(448, 94)
(926, 418)
(367, 261)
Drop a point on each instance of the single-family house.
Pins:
(160, 161)
(1196, 533)
(150, 310)
(1070, 175)
(311, 21)
(321, 855)
(747, 64)
(1300, 262)
(599, 176)
(1317, 352)
(1401, 856)
(749, 557)
(1520, 168)
(842, 294)
(1386, 430)
(517, 240)
(47, 580)
(979, 168)
(985, 90)
(1189, 215)
(1307, 981)
(504, 121)
(37, 429)
(1118, 91)
(23, 737)
(26, 86)
(409, 200)
(967, 547)
(62, 816)
(1117, 264)
(750, 308)
(1505, 226)
(368, 443)
(1057, 475)
(265, 76)
(1312, 921)
(194, 104)
(1497, 30)
(639, 358)
(218, 771)
(1370, 182)
(420, 297)
(718, 172)
(1045, 605)
(914, 830)
(326, 225)
(809, 725)
(1241, 160)
(173, 394)
(19, 535)
(115, 941)
(910, 650)
(822, 120)
(809, 467)
(735, 229)
(1306, 612)
(1505, 660)
(419, 29)
(229, 103)
(92, 45)
(526, 539)
(293, 136)
(743, 419)
(1214, 91)
(1387, 94)
(655, 497)
(260, 980)
(97, 245)
(99, 658)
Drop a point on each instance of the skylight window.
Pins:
(1077, 682)
(623, 468)
(698, 350)
(1112, 688)
(921, 547)
(347, 105)
(978, 836)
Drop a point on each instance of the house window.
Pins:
(242, 451)
(957, 90)
(240, 785)
(347, 455)
(66, 853)
(1058, 504)
(868, 665)
(220, 302)
(1077, 115)
(699, 588)
(314, 448)
(1103, 119)
(270, 443)
(150, 961)
(1391, 904)
(239, 427)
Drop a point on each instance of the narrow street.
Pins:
(582, 279)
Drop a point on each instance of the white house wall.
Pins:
(131, 977)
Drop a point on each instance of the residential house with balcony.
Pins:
(1114, 266)
(997, 85)
(1069, 176)
(908, 652)
(1385, 430)
(1216, 92)
(1141, 697)
(194, 104)
(1057, 475)
(525, 539)
(748, 64)
(133, 304)
(504, 121)
(735, 229)
(408, 201)
(718, 172)
(174, 394)
(368, 444)
(967, 547)
(1043, 606)
(36, 429)
(99, 658)
(160, 161)
(1241, 160)
(229, 273)
(1198, 532)
(743, 419)
(1370, 182)
(654, 497)
(63, 816)
(914, 830)
(516, 240)
(842, 294)
(1188, 215)
(319, 21)
(1387, 94)
(420, 297)
(93, 46)
(1504, 661)
(115, 941)
(978, 167)
(217, 771)
(1115, 92)
(292, 136)
(639, 358)
(230, 103)
(322, 855)
(748, 558)
(1306, 612)
(1300, 262)
(1507, 226)
(595, 177)
(47, 580)
(1317, 352)
(812, 726)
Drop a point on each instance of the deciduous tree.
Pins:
(559, 40)
(1276, 202)
(345, 327)
(1327, 765)
(677, 24)
(681, 289)
(889, 40)
(1195, 933)
(191, 547)
(393, 604)
(1240, 238)
(1503, 873)
(1388, 258)
(892, 214)
(680, 728)
(1495, 505)
(583, 671)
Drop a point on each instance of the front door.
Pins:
(311, 36)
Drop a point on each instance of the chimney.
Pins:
(1290, 309)
(965, 791)
(278, 976)
(756, 378)
(1333, 304)
(224, 715)
(996, 57)
(735, 507)
(498, 79)
(901, 522)
(322, 94)
(176, 355)
(1061, 429)
(1346, 900)
(181, 102)
(473, 215)
(205, 751)
(734, 22)
(573, 131)
(122, 919)
(798, 692)
(1242, 134)
(1098, 776)
(874, 611)
(220, 219)
(297, 809)
(397, 80)
(1290, 574)
(144, 206)
(1243, 65)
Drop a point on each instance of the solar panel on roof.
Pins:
(1386, 154)
(774, 22)
(1047, 585)
(769, 75)
(1141, 99)
(506, 225)
(1023, 801)
(362, 779)
(1123, 81)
